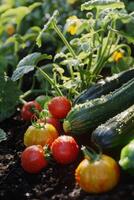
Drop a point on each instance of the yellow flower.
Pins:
(72, 25)
(10, 29)
(117, 55)
(71, 1)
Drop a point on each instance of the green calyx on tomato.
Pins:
(97, 174)
(90, 154)
(41, 134)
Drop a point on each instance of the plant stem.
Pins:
(97, 69)
(29, 92)
(90, 154)
(22, 101)
(56, 28)
(52, 83)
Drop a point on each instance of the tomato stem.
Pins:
(90, 154)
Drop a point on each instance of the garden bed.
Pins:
(55, 182)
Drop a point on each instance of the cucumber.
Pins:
(116, 132)
(83, 117)
(105, 86)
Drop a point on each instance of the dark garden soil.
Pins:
(56, 182)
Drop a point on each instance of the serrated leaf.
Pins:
(9, 97)
(28, 64)
(102, 4)
(3, 135)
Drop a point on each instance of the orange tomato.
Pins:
(99, 175)
(40, 136)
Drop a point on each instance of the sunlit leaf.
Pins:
(102, 4)
(17, 14)
(28, 64)
(4, 7)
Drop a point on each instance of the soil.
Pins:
(56, 182)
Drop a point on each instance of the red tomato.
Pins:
(59, 107)
(28, 110)
(32, 159)
(55, 122)
(65, 149)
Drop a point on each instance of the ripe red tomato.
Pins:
(65, 149)
(59, 107)
(27, 110)
(32, 159)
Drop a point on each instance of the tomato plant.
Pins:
(41, 135)
(59, 107)
(30, 109)
(97, 173)
(65, 149)
(32, 159)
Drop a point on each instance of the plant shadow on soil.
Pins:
(56, 182)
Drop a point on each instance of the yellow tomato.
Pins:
(99, 175)
(40, 136)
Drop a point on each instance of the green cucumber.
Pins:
(84, 117)
(116, 132)
(105, 86)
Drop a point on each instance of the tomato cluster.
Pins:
(45, 138)
(64, 150)
(46, 131)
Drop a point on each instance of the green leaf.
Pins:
(47, 26)
(102, 4)
(34, 5)
(3, 135)
(128, 36)
(4, 7)
(17, 14)
(28, 64)
(9, 97)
